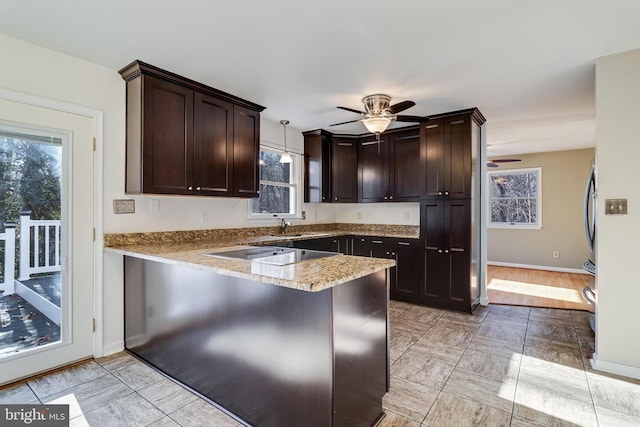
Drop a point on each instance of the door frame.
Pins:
(98, 130)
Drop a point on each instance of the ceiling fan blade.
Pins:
(344, 123)
(351, 109)
(416, 119)
(506, 160)
(400, 106)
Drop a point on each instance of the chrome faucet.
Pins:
(283, 226)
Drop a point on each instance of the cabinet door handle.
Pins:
(404, 243)
(198, 188)
(323, 198)
(190, 188)
(390, 197)
(385, 197)
(446, 193)
(446, 251)
(439, 193)
(335, 198)
(376, 241)
(439, 251)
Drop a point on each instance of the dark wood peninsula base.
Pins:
(268, 355)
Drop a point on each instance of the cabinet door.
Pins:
(344, 170)
(167, 152)
(342, 244)
(432, 135)
(405, 166)
(317, 170)
(246, 151)
(379, 247)
(457, 224)
(213, 146)
(405, 283)
(361, 246)
(457, 157)
(435, 280)
(321, 244)
(373, 169)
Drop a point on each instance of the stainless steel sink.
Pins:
(272, 255)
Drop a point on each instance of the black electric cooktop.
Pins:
(272, 255)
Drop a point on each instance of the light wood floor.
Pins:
(537, 288)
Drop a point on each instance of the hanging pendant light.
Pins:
(285, 157)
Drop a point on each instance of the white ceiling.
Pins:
(528, 65)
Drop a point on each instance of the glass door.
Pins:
(46, 235)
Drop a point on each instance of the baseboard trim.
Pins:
(614, 368)
(111, 348)
(538, 267)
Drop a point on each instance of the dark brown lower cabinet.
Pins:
(448, 279)
(405, 276)
(405, 283)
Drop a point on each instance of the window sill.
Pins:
(515, 227)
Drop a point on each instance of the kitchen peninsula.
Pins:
(304, 343)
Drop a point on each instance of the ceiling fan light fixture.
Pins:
(376, 104)
(377, 124)
(285, 157)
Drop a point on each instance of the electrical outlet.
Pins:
(123, 206)
(406, 215)
(359, 214)
(556, 254)
(154, 207)
(315, 214)
(204, 217)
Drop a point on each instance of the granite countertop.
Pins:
(310, 275)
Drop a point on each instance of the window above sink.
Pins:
(280, 190)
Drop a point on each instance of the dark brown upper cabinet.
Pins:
(390, 169)
(317, 166)
(405, 165)
(373, 168)
(187, 138)
(344, 170)
(447, 148)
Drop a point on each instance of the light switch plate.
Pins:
(123, 206)
(615, 206)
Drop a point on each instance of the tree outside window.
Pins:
(278, 186)
(515, 198)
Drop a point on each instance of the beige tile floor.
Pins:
(504, 366)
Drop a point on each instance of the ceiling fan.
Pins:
(494, 163)
(379, 113)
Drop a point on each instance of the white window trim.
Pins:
(296, 185)
(536, 226)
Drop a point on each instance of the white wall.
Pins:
(378, 213)
(33, 70)
(617, 156)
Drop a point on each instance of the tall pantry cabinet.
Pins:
(449, 210)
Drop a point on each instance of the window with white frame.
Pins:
(279, 186)
(515, 198)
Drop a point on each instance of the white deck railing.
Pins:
(9, 237)
(32, 233)
(33, 259)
